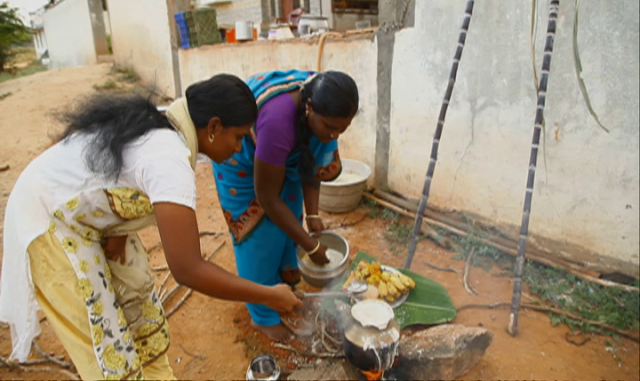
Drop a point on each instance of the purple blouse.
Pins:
(276, 130)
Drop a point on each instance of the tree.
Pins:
(12, 31)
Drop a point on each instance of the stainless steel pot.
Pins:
(263, 367)
(326, 277)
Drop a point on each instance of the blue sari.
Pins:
(264, 252)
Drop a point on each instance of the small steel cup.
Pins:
(263, 367)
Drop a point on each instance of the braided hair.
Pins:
(332, 94)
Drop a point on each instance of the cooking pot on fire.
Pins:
(371, 336)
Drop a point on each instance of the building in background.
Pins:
(342, 15)
(39, 37)
(71, 32)
(75, 32)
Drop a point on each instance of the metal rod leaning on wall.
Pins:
(436, 137)
(537, 130)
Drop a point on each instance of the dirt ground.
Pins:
(212, 339)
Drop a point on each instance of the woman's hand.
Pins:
(315, 225)
(283, 298)
(178, 227)
(114, 248)
(320, 256)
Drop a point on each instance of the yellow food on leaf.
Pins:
(405, 280)
(382, 289)
(374, 280)
(392, 289)
(412, 283)
(383, 285)
(397, 283)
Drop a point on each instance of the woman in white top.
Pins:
(70, 242)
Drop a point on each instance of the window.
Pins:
(355, 6)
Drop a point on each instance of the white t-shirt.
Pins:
(157, 164)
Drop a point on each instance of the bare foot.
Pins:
(278, 333)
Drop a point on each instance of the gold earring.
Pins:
(211, 138)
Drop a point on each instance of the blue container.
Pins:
(183, 30)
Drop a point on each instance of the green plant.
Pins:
(109, 44)
(398, 235)
(609, 305)
(34, 67)
(125, 74)
(12, 32)
(108, 85)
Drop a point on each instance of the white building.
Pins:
(39, 37)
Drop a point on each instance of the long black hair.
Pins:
(332, 94)
(114, 121)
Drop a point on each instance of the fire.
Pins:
(373, 375)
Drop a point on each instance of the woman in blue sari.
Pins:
(262, 189)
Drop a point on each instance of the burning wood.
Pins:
(373, 375)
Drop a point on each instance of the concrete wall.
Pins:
(356, 57)
(141, 39)
(69, 34)
(587, 193)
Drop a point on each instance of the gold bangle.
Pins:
(314, 250)
(313, 216)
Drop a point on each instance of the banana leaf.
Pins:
(427, 304)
